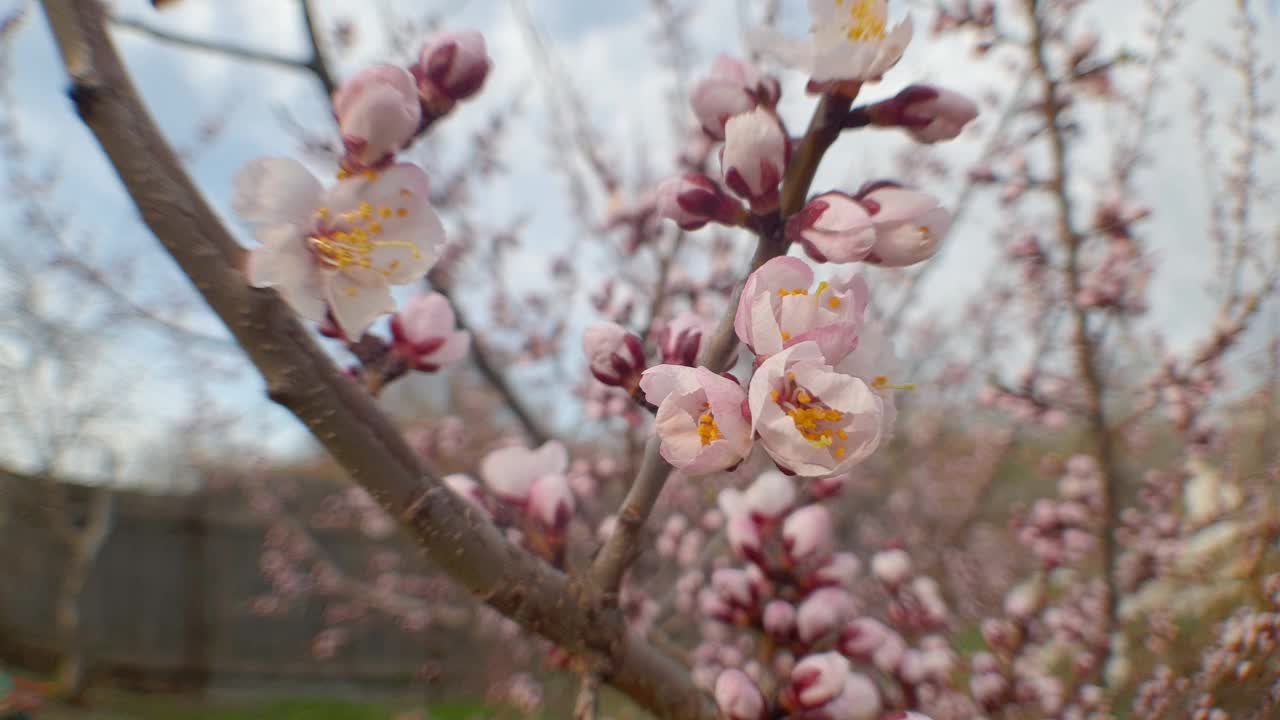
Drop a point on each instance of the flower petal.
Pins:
(284, 262)
(276, 190)
(357, 296)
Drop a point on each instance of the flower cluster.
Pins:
(333, 253)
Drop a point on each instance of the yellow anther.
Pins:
(867, 22)
(834, 302)
(384, 212)
(804, 398)
(375, 227)
(708, 431)
(839, 452)
(785, 336)
(402, 212)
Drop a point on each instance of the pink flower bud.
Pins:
(822, 612)
(423, 333)
(510, 472)
(833, 227)
(928, 113)
(817, 680)
(451, 67)
(859, 700)
(807, 535)
(909, 225)
(551, 501)
(744, 538)
(891, 567)
(754, 157)
(733, 87)
(734, 587)
(616, 356)
(779, 619)
(693, 200)
(681, 338)
(842, 570)
(769, 497)
(738, 697)
(378, 112)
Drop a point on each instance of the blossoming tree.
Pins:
(761, 418)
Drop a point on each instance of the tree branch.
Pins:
(1086, 350)
(457, 537)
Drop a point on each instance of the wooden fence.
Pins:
(167, 604)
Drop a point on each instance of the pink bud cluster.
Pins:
(381, 109)
(1062, 531)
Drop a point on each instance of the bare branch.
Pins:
(302, 378)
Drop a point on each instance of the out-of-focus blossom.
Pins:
(833, 227)
(812, 420)
(339, 250)
(551, 501)
(778, 310)
(822, 613)
(779, 619)
(616, 357)
(891, 567)
(876, 362)
(929, 114)
(754, 157)
(699, 419)
(909, 225)
(817, 680)
(510, 472)
(692, 200)
(808, 535)
(769, 497)
(851, 43)
(378, 113)
(841, 570)
(680, 339)
(451, 67)
(733, 87)
(738, 697)
(859, 700)
(424, 333)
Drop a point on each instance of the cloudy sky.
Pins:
(609, 49)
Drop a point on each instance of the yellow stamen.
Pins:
(785, 336)
(834, 302)
(880, 382)
(708, 431)
(867, 22)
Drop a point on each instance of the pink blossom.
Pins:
(378, 112)
(744, 537)
(510, 472)
(681, 338)
(423, 332)
(616, 356)
(551, 501)
(818, 679)
(738, 697)
(769, 497)
(754, 157)
(735, 587)
(891, 567)
(779, 619)
(909, 225)
(699, 420)
(692, 200)
(851, 44)
(842, 570)
(859, 700)
(822, 612)
(778, 310)
(808, 536)
(876, 362)
(337, 251)
(833, 227)
(929, 114)
(451, 67)
(733, 87)
(813, 420)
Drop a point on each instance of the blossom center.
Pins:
(866, 20)
(820, 425)
(708, 431)
(348, 239)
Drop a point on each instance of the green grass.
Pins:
(142, 707)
